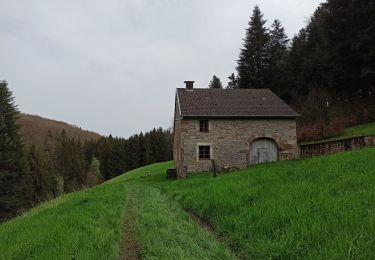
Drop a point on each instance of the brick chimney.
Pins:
(189, 84)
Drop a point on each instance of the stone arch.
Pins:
(274, 137)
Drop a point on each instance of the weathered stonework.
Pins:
(230, 141)
(331, 147)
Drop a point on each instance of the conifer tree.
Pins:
(233, 82)
(278, 53)
(215, 83)
(42, 174)
(13, 167)
(254, 59)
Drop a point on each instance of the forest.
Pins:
(33, 171)
(326, 71)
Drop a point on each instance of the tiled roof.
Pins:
(232, 103)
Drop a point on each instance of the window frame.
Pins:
(204, 152)
(204, 126)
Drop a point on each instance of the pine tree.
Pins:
(215, 83)
(233, 82)
(278, 54)
(13, 167)
(254, 60)
(42, 174)
(79, 163)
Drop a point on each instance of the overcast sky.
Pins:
(113, 66)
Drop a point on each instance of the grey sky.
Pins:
(112, 66)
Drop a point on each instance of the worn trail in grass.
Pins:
(120, 219)
(130, 245)
(319, 208)
(165, 231)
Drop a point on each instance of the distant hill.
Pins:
(35, 129)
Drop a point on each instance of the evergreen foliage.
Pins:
(215, 82)
(254, 59)
(335, 51)
(13, 165)
(118, 155)
(63, 164)
(278, 54)
(42, 174)
(327, 72)
(233, 81)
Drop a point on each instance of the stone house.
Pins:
(233, 127)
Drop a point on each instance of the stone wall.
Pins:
(177, 144)
(230, 141)
(330, 147)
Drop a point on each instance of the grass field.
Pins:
(314, 208)
(81, 225)
(88, 225)
(359, 130)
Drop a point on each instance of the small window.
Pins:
(203, 126)
(204, 152)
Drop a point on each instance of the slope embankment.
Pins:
(313, 208)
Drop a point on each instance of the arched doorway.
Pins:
(263, 150)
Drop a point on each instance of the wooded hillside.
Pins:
(35, 129)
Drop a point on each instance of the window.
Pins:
(203, 126)
(204, 152)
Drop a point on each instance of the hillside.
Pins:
(35, 129)
(313, 208)
(354, 131)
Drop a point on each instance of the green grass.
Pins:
(81, 225)
(315, 208)
(88, 225)
(359, 130)
(319, 208)
(166, 231)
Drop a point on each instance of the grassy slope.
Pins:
(314, 208)
(359, 130)
(88, 225)
(81, 225)
(166, 232)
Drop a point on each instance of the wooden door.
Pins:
(262, 151)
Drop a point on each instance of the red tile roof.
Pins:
(232, 103)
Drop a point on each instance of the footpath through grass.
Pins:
(166, 232)
(89, 225)
(320, 208)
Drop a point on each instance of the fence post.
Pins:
(214, 174)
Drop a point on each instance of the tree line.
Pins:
(326, 71)
(32, 174)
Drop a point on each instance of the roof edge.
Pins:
(241, 116)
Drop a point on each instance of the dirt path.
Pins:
(207, 226)
(130, 247)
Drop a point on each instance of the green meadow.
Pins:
(315, 208)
